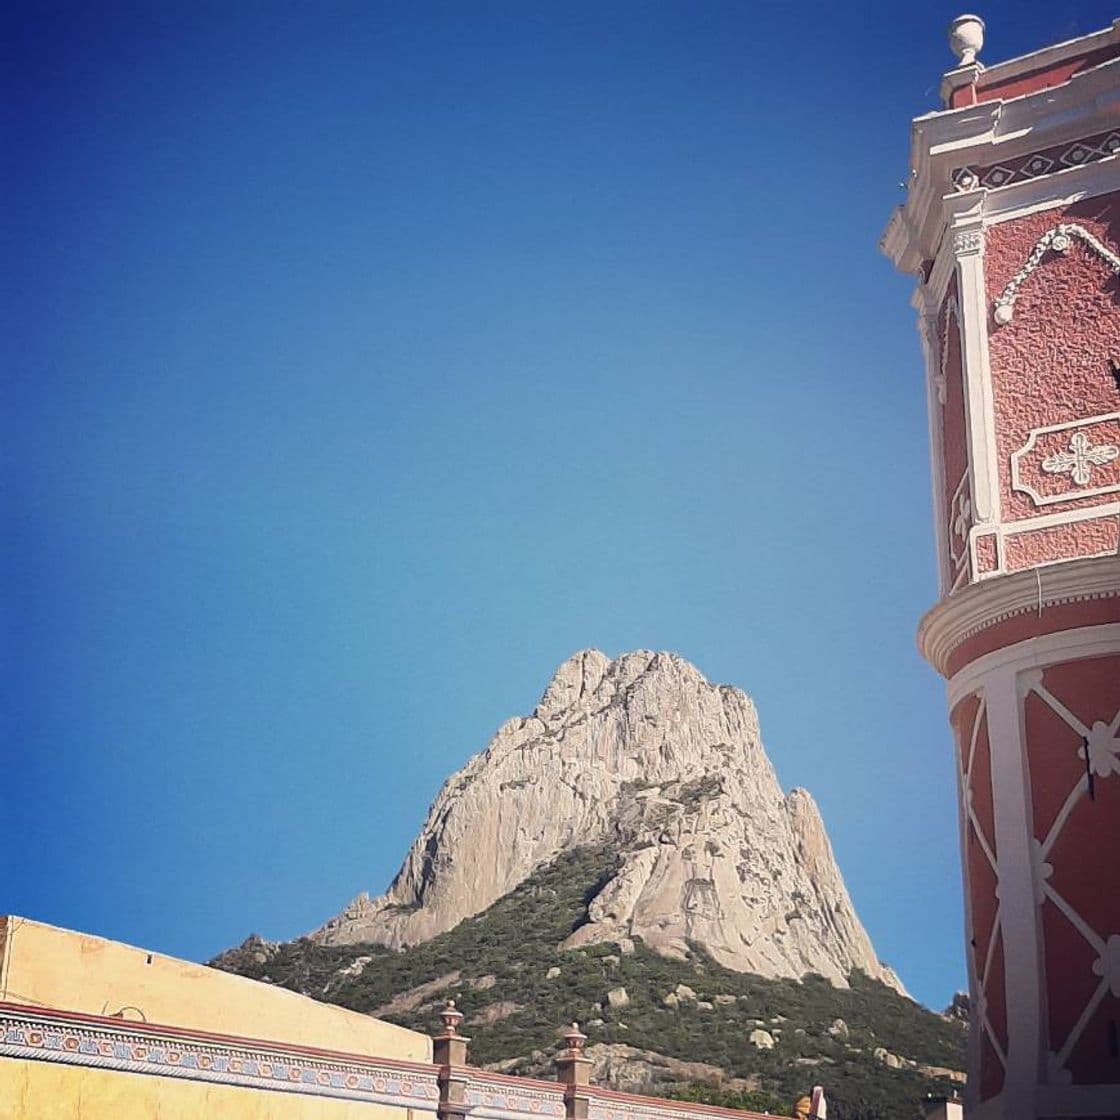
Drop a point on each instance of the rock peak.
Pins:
(642, 754)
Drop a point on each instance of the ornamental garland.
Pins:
(1059, 239)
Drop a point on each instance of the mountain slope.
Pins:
(682, 1028)
(641, 752)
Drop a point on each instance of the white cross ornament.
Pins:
(1079, 460)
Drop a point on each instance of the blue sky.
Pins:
(366, 360)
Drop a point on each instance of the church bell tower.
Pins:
(1011, 227)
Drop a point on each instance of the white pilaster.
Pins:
(968, 248)
(1018, 912)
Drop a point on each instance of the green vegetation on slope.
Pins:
(515, 943)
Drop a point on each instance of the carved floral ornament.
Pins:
(1077, 459)
(1080, 458)
(1058, 240)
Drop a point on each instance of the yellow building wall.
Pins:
(52, 967)
(42, 1091)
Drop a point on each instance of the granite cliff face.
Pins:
(644, 754)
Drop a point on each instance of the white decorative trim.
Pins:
(1058, 240)
(1108, 451)
(976, 608)
(1068, 517)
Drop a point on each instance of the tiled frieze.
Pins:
(1074, 153)
(141, 1048)
(512, 1098)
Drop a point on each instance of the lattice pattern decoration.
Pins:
(1100, 753)
(1018, 170)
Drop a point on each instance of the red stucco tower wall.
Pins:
(1012, 229)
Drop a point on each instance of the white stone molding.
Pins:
(976, 608)
(1078, 461)
(1057, 240)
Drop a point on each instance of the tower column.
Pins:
(1012, 228)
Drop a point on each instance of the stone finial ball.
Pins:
(966, 38)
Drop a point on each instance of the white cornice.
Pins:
(989, 133)
(976, 608)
